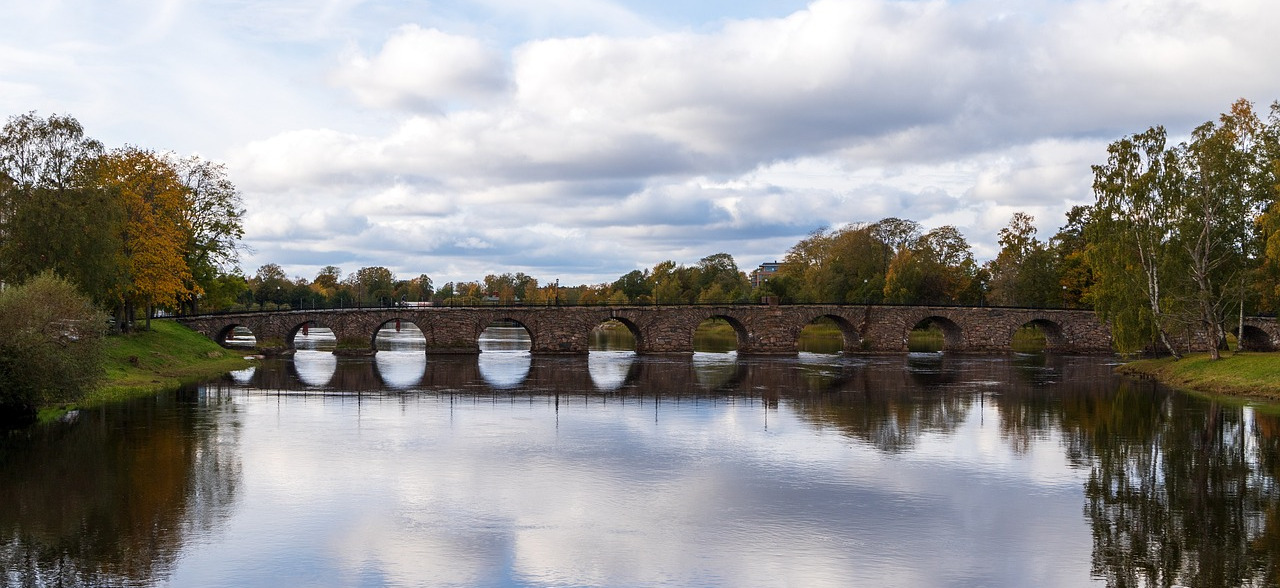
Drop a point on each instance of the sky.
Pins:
(577, 140)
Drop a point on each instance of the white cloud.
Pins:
(424, 69)
(473, 122)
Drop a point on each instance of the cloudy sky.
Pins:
(580, 139)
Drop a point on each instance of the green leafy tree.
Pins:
(1024, 273)
(48, 190)
(373, 285)
(634, 285)
(213, 218)
(1132, 223)
(270, 284)
(1175, 227)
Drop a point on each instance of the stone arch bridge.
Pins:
(760, 329)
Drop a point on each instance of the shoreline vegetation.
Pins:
(145, 363)
(1244, 375)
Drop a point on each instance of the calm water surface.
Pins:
(615, 470)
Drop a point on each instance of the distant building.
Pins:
(762, 274)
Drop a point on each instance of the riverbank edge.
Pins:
(1251, 374)
(147, 363)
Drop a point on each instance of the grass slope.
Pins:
(164, 358)
(1245, 374)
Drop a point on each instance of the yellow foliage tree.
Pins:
(151, 194)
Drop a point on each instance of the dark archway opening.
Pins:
(1037, 336)
(612, 335)
(933, 335)
(827, 334)
(1254, 339)
(717, 334)
(237, 337)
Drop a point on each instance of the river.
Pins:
(613, 469)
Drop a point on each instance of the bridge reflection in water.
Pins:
(1002, 469)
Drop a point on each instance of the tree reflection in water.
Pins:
(133, 485)
(1178, 490)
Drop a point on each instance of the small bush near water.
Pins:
(50, 347)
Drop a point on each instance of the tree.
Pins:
(634, 284)
(937, 269)
(155, 231)
(213, 218)
(1069, 246)
(270, 284)
(1225, 182)
(1132, 224)
(1024, 272)
(1182, 221)
(719, 272)
(373, 285)
(51, 218)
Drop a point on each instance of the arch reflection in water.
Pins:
(504, 354)
(715, 371)
(401, 370)
(401, 360)
(244, 376)
(314, 369)
(609, 369)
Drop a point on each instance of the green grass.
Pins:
(149, 362)
(1245, 374)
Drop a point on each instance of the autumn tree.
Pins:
(844, 265)
(1075, 275)
(938, 268)
(154, 234)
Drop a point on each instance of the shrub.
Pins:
(50, 346)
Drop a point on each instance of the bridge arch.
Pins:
(1253, 338)
(742, 340)
(1054, 339)
(851, 339)
(506, 322)
(628, 324)
(952, 334)
(236, 336)
(411, 331)
(312, 329)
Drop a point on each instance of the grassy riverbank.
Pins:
(1245, 374)
(149, 362)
